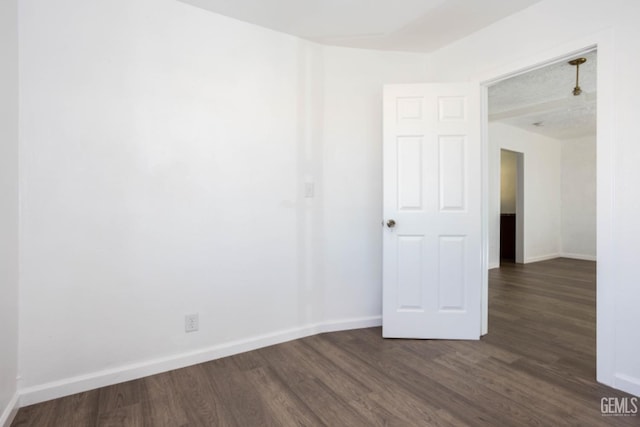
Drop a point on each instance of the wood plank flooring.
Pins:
(535, 367)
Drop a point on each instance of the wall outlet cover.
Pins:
(191, 323)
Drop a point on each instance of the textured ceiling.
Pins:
(404, 25)
(542, 101)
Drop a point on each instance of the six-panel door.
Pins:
(432, 183)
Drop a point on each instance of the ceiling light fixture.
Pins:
(577, 62)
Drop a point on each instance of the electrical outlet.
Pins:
(309, 190)
(191, 323)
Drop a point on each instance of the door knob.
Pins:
(391, 223)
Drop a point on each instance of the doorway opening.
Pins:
(542, 206)
(511, 207)
(537, 115)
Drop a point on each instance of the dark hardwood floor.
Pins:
(535, 367)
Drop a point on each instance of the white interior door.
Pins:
(432, 253)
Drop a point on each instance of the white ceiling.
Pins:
(544, 97)
(404, 25)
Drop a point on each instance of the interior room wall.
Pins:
(579, 198)
(353, 174)
(160, 178)
(540, 31)
(176, 162)
(9, 207)
(542, 208)
(508, 181)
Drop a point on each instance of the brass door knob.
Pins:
(391, 223)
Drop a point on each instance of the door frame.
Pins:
(605, 277)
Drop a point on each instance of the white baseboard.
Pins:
(628, 384)
(9, 413)
(78, 384)
(529, 260)
(578, 256)
(348, 324)
(493, 265)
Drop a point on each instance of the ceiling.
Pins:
(541, 101)
(403, 25)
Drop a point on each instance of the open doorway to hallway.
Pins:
(542, 203)
(534, 118)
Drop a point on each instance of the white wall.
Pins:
(165, 156)
(541, 191)
(547, 30)
(508, 181)
(579, 198)
(353, 174)
(159, 178)
(8, 207)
